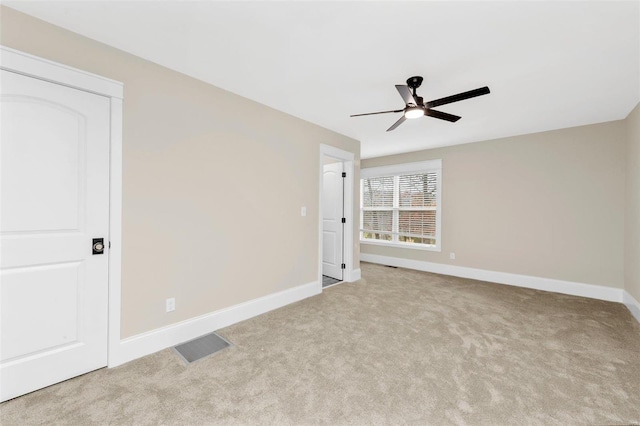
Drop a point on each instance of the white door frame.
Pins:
(348, 159)
(44, 69)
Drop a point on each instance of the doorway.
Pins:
(60, 127)
(336, 216)
(333, 221)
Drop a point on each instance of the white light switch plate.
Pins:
(303, 211)
(171, 304)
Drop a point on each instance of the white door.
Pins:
(332, 214)
(54, 196)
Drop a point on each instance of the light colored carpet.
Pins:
(398, 347)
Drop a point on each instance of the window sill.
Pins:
(401, 245)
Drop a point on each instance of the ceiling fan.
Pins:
(415, 106)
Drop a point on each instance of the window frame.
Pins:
(430, 166)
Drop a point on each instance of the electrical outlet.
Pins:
(452, 256)
(171, 304)
(303, 211)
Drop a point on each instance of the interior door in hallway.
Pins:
(332, 225)
(54, 199)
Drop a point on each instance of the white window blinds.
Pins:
(402, 208)
(377, 218)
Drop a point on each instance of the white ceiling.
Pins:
(549, 65)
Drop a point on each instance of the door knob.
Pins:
(98, 246)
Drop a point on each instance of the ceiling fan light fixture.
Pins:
(414, 112)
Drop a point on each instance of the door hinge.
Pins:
(109, 244)
(344, 174)
(343, 266)
(344, 220)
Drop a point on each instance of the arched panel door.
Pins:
(54, 197)
(332, 227)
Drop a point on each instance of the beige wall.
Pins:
(546, 205)
(632, 211)
(211, 203)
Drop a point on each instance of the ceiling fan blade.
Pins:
(442, 115)
(373, 113)
(459, 97)
(405, 92)
(397, 123)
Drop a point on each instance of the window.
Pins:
(400, 205)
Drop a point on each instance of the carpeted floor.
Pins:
(397, 347)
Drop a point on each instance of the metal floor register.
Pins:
(201, 347)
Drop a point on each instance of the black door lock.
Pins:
(98, 246)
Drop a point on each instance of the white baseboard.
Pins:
(156, 340)
(632, 304)
(356, 274)
(547, 284)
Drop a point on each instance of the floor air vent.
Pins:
(201, 347)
